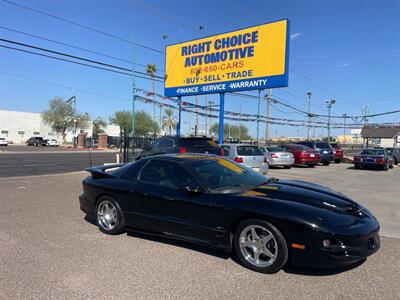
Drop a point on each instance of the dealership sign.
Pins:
(248, 59)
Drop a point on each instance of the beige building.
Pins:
(381, 136)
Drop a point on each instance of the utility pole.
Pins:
(133, 93)
(258, 116)
(365, 113)
(329, 105)
(161, 123)
(73, 101)
(309, 116)
(269, 98)
(210, 103)
(205, 116)
(196, 127)
(344, 128)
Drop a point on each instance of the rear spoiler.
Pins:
(100, 171)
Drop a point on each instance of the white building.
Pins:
(17, 127)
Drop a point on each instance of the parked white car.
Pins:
(3, 142)
(52, 142)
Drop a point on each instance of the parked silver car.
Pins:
(250, 156)
(278, 157)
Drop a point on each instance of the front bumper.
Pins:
(343, 251)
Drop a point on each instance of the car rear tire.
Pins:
(287, 167)
(326, 163)
(391, 166)
(260, 246)
(356, 167)
(109, 216)
(395, 161)
(338, 161)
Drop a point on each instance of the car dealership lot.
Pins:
(48, 250)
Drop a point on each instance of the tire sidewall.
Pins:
(119, 228)
(280, 240)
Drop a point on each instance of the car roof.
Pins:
(183, 156)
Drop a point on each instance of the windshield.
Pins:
(372, 152)
(190, 142)
(220, 173)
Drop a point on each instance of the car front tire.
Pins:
(260, 246)
(326, 163)
(338, 161)
(109, 216)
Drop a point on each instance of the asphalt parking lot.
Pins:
(49, 251)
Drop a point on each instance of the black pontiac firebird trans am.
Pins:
(208, 200)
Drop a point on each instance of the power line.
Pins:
(82, 26)
(73, 46)
(74, 57)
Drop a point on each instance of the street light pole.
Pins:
(329, 105)
(309, 116)
(344, 128)
(258, 116)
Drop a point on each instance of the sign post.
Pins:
(133, 92)
(178, 126)
(253, 58)
(221, 118)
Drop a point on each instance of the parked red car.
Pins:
(303, 155)
(338, 152)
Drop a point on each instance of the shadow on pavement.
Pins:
(226, 255)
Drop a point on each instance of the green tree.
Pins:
(168, 121)
(98, 126)
(144, 125)
(61, 117)
(232, 131)
(151, 70)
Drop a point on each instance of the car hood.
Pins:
(306, 193)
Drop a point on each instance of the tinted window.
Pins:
(165, 143)
(167, 174)
(249, 151)
(220, 173)
(130, 171)
(302, 147)
(308, 144)
(372, 152)
(227, 150)
(322, 145)
(274, 149)
(187, 142)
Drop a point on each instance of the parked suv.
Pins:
(325, 150)
(36, 141)
(177, 144)
(3, 142)
(250, 156)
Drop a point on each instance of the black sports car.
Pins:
(209, 200)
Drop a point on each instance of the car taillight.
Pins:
(182, 149)
(273, 155)
(304, 153)
(357, 158)
(238, 159)
(380, 160)
(221, 151)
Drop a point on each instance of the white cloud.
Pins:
(295, 36)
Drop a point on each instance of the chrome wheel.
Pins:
(107, 215)
(258, 246)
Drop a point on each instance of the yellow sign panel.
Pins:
(246, 59)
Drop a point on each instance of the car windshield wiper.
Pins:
(231, 186)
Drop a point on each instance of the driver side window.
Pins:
(167, 174)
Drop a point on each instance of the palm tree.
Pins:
(168, 121)
(151, 70)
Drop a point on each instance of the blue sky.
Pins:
(345, 50)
